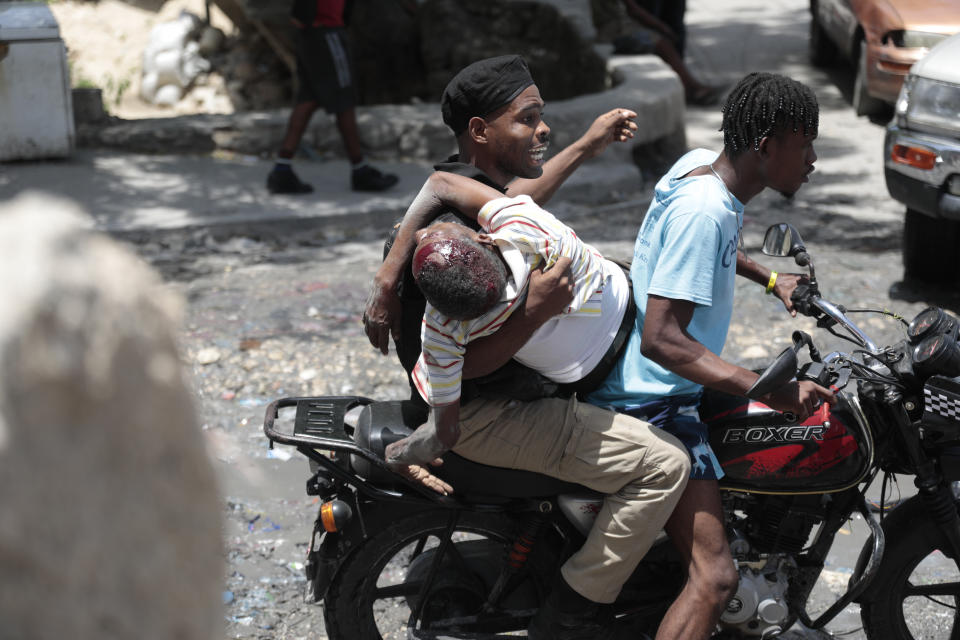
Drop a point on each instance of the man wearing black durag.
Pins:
(495, 110)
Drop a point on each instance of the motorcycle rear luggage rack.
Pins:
(318, 424)
(319, 427)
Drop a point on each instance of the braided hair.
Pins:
(764, 104)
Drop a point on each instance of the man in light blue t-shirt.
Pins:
(684, 264)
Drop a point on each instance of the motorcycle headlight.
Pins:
(930, 104)
(914, 39)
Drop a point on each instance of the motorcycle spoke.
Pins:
(421, 543)
(499, 617)
(942, 604)
(424, 634)
(936, 589)
(402, 590)
(932, 592)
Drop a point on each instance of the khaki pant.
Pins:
(642, 469)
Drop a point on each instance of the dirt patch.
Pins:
(105, 44)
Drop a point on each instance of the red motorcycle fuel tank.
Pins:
(760, 451)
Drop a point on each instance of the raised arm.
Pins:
(616, 125)
(441, 191)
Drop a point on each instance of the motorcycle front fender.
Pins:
(324, 561)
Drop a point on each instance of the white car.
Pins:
(922, 164)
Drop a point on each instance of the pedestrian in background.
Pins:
(632, 29)
(671, 13)
(325, 79)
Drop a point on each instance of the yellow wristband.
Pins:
(772, 282)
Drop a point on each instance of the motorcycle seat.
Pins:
(381, 423)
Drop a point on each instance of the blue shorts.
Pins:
(678, 415)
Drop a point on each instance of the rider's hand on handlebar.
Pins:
(381, 318)
(784, 287)
(799, 398)
(550, 291)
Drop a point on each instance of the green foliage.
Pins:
(114, 88)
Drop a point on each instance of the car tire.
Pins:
(823, 52)
(931, 248)
(863, 103)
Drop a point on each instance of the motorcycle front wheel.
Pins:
(917, 590)
(379, 586)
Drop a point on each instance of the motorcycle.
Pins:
(390, 558)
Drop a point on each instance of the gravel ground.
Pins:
(269, 321)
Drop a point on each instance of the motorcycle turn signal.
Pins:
(334, 515)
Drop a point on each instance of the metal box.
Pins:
(36, 115)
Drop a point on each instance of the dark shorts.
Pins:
(636, 42)
(678, 415)
(323, 68)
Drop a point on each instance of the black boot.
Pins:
(367, 178)
(566, 615)
(283, 180)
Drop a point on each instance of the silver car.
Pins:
(922, 164)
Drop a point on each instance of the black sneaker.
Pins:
(367, 178)
(282, 179)
(550, 623)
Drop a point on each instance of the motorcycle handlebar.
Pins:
(838, 315)
(807, 301)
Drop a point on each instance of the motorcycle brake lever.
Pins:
(821, 409)
(825, 322)
(842, 376)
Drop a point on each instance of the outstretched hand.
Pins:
(381, 318)
(616, 125)
(415, 472)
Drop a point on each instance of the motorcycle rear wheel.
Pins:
(370, 598)
(916, 593)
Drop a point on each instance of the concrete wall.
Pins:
(415, 132)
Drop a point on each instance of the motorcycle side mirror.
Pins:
(782, 240)
(779, 373)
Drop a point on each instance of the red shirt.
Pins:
(329, 13)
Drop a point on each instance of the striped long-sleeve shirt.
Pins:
(527, 237)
